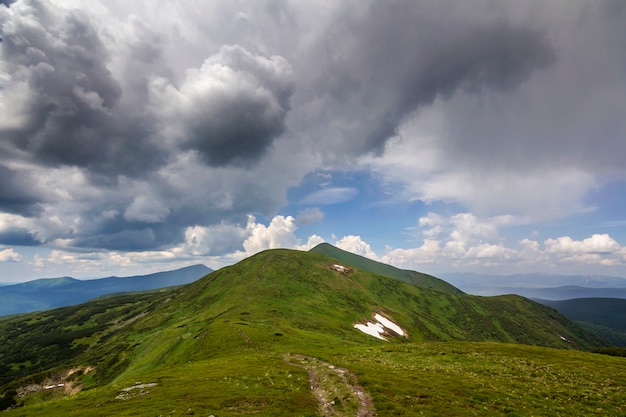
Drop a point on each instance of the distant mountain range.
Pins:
(541, 286)
(47, 293)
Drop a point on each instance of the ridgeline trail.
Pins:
(336, 389)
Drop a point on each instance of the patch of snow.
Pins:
(373, 329)
(380, 327)
(389, 324)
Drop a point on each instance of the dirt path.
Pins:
(336, 389)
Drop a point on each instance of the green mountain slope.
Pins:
(245, 340)
(605, 317)
(610, 312)
(412, 277)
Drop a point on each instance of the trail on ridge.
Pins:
(336, 389)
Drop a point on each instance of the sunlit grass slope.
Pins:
(412, 379)
(218, 345)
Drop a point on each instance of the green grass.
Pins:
(489, 379)
(443, 379)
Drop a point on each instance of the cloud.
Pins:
(598, 244)
(355, 244)
(310, 215)
(464, 241)
(119, 138)
(17, 192)
(215, 246)
(329, 196)
(535, 150)
(215, 240)
(230, 109)
(278, 234)
(64, 97)
(379, 63)
(10, 255)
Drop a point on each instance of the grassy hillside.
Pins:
(436, 379)
(605, 317)
(254, 338)
(610, 312)
(412, 277)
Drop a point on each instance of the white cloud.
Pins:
(280, 233)
(355, 244)
(10, 255)
(464, 240)
(596, 244)
(426, 254)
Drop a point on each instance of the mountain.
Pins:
(537, 285)
(286, 333)
(46, 293)
(416, 278)
(605, 317)
(558, 293)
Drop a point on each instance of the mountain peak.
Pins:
(413, 277)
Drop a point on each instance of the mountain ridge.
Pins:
(605, 317)
(46, 293)
(413, 277)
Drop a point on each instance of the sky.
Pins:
(440, 136)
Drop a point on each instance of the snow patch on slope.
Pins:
(382, 326)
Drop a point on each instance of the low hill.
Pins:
(416, 278)
(542, 286)
(567, 292)
(276, 335)
(46, 293)
(605, 317)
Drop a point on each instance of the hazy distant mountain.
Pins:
(46, 293)
(543, 286)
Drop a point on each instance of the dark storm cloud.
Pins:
(129, 239)
(381, 64)
(232, 108)
(70, 107)
(18, 237)
(75, 111)
(568, 116)
(16, 193)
